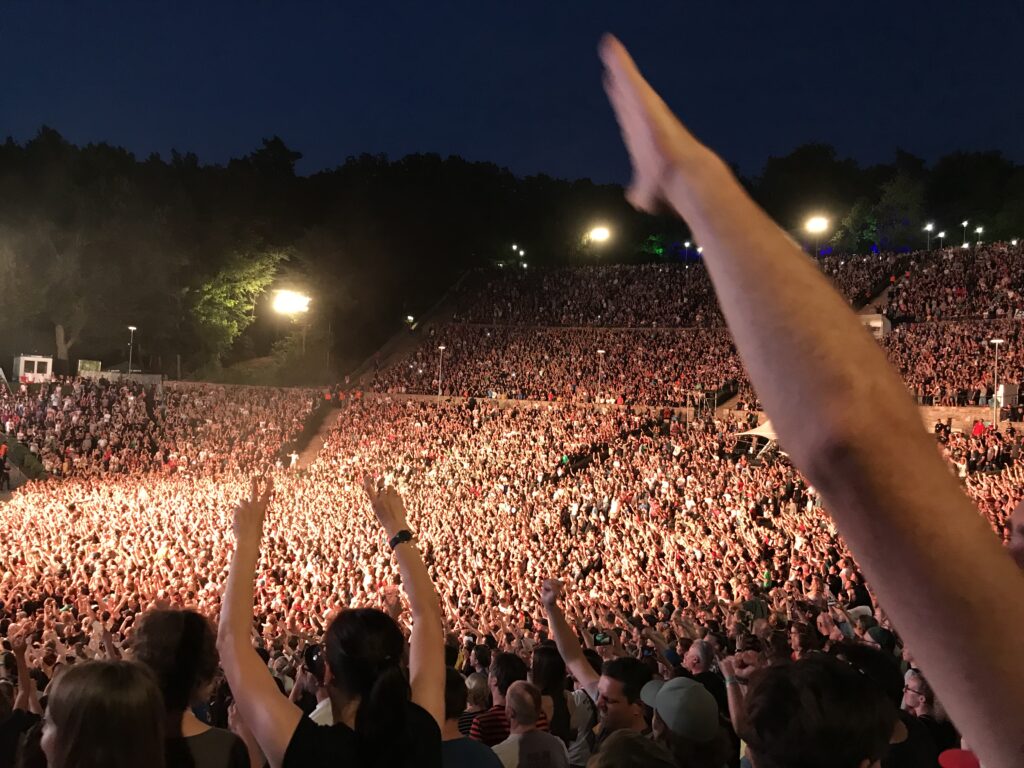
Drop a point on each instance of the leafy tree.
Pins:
(899, 213)
(223, 306)
(858, 230)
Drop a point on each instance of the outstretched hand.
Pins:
(250, 513)
(654, 137)
(18, 638)
(387, 505)
(550, 591)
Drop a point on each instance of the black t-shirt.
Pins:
(215, 748)
(916, 751)
(12, 728)
(316, 746)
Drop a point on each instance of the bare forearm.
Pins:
(845, 417)
(236, 610)
(424, 603)
(28, 696)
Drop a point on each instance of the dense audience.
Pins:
(646, 367)
(954, 363)
(671, 295)
(85, 426)
(623, 503)
(984, 281)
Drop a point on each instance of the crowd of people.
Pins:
(984, 282)
(954, 363)
(79, 426)
(672, 534)
(669, 295)
(596, 365)
(484, 582)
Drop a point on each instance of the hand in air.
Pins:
(655, 139)
(550, 591)
(387, 505)
(250, 513)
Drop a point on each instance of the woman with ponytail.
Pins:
(382, 716)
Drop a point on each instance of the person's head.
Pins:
(180, 648)
(506, 668)
(522, 704)
(825, 624)
(363, 649)
(801, 638)
(631, 749)
(618, 702)
(104, 714)
(698, 657)
(686, 720)
(478, 692)
(480, 658)
(816, 711)
(918, 696)
(455, 694)
(880, 668)
(548, 670)
(881, 638)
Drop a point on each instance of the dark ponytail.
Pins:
(364, 649)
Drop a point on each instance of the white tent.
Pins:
(765, 430)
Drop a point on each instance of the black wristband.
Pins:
(401, 537)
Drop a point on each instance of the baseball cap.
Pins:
(885, 639)
(685, 706)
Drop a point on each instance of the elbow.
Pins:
(842, 449)
(227, 644)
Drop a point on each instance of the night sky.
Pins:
(517, 83)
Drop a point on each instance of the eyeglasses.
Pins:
(907, 688)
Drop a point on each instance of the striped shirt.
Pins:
(491, 726)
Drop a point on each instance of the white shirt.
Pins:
(508, 750)
(323, 714)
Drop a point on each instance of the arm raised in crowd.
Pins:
(28, 694)
(269, 715)
(426, 645)
(848, 422)
(568, 645)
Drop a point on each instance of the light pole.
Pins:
(942, 238)
(815, 226)
(686, 245)
(440, 358)
(928, 228)
(600, 371)
(978, 232)
(964, 225)
(131, 346)
(995, 381)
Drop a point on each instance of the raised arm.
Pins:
(28, 694)
(269, 715)
(849, 424)
(426, 645)
(568, 645)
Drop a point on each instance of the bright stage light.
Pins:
(599, 234)
(816, 225)
(291, 302)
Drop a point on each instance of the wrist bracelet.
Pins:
(732, 681)
(401, 537)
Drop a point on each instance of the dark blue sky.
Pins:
(517, 82)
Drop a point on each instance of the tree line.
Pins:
(94, 239)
